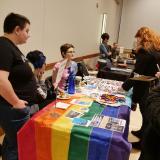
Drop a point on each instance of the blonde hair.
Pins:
(150, 40)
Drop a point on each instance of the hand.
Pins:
(61, 91)
(20, 104)
(40, 73)
(157, 74)
(39, 76)
(109, 53)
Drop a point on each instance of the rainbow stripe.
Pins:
(47, 137)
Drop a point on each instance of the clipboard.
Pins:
(144, 78)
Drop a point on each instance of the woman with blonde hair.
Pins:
(147, 57)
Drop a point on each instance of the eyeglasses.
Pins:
(70, 52)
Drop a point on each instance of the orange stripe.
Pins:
(43, 124)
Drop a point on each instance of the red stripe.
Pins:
(26, 151)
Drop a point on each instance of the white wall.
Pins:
(113, 8)
(25, 8)
(135, 14)
(54, 22)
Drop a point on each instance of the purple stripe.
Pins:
(120, 144)
(100, 139)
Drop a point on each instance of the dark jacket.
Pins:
(145, 65)
(151, 137)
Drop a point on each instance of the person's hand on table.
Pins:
(61, 92)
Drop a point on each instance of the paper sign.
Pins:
(62, 105)
(109, 123)
(60, 72)
(81, 122)
(121, 50)
(73, 114)
(81, 102)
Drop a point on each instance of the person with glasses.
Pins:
(17, 82)
(67, 52)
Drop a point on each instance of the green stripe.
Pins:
(79, 137)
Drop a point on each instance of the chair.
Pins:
(50, 89)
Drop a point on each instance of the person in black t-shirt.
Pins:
(17, 82)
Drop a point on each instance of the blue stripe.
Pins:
(100, 139)
(120, 144)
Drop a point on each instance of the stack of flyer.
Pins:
(109, 123)
(101, 121)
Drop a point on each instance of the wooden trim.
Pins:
(50, 66)
(77, 59)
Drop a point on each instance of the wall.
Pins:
(54, 22)
(113, 8)
(30, 10)
(135, 14)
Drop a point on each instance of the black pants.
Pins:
(11, 120)
(142, 107)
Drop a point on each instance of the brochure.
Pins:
(73, 114)
(81, 102)
(62, 105)
(60, 72)
(109, 123)
(81, 122)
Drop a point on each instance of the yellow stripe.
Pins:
(61, 130)
(60, 138)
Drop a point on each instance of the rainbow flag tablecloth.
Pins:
(50, 135)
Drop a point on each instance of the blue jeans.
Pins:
(11, 120)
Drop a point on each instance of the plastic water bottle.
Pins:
(71, 84)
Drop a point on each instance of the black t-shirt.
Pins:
(20, 73)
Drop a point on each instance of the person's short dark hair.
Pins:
(12, 20)
(64, 48)
(105, 36)
(37, 58)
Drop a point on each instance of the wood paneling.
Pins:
(77, 59)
